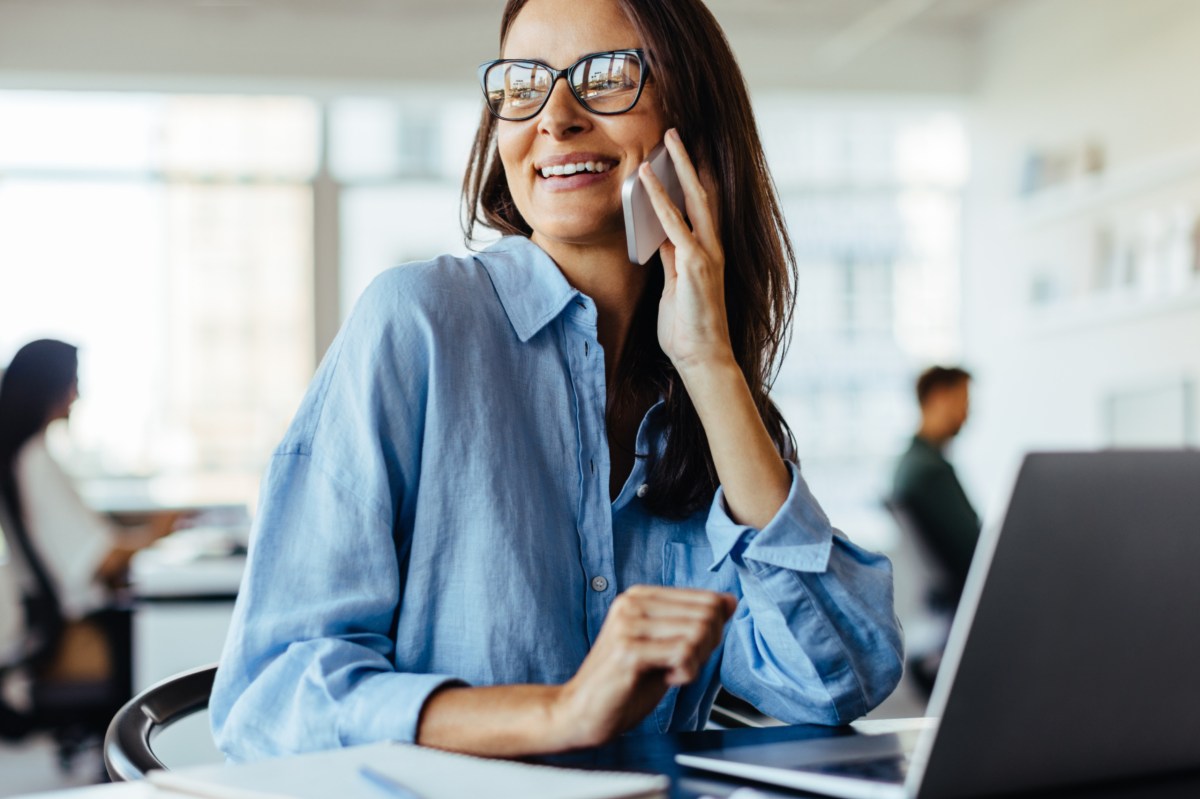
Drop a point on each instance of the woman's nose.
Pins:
(562, 115)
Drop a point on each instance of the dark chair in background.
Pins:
(75, 712)
(922, 599)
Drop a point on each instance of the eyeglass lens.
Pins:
(606, 83)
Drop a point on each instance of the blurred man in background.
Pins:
(927, 494)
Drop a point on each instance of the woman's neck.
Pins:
(605, 274)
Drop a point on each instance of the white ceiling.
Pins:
(876, 45)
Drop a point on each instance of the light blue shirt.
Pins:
(439, 513)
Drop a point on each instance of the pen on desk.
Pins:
(387, 784)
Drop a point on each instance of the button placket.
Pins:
(595, 520)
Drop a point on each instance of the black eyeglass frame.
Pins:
(486, 67)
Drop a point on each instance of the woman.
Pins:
(536, 498)
(68, 553)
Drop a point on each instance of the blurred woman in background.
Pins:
(67, 554)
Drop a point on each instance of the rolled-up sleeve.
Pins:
(309, 662)
(815, 638)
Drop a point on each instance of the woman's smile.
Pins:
(574, 170)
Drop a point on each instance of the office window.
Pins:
(170, 238)
(399, 164)
(872, 192)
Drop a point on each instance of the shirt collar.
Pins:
(530, 285)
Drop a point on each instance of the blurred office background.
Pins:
(197, 192)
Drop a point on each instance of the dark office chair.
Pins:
(75, 712)
(923, 598)
(128, 754)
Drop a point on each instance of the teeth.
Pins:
(571, 169)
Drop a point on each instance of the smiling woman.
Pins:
(538, 497)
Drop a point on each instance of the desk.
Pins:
(656, 754)
(221, 498)
(184, 589)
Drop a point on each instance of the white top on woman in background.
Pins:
(72, 539)
(75, 551)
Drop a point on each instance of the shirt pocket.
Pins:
(686, 566)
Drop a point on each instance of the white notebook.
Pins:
(428, 773)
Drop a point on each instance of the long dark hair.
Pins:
(704, 95)
(39, 379)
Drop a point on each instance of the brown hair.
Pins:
(938, 377)
(704, 96)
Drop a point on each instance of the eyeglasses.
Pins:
(604, 83)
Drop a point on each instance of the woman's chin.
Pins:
(580, 235)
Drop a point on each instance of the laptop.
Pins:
(1074, 656)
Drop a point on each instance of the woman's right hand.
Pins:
(653, 638)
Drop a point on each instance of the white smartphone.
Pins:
(644, 234)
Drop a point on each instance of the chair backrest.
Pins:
(127, 751)
(41, 611)
(12, 611)
(918, 576)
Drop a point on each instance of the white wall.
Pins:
(1058, 73)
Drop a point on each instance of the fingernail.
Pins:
(674, 134)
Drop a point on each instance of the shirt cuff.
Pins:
(387, 707)
(798, 538)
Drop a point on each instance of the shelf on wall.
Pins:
(1088, 194)
(1115, 307)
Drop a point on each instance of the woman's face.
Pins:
(63, 409)
(584, 208)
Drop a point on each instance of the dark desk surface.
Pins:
(657, 754)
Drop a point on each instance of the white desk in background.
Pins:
(185, 584)
(220, 498)
(183, 590)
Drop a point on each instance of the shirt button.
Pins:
(643, 489)
(599, 583)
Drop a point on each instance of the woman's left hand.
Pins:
(693, 329)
